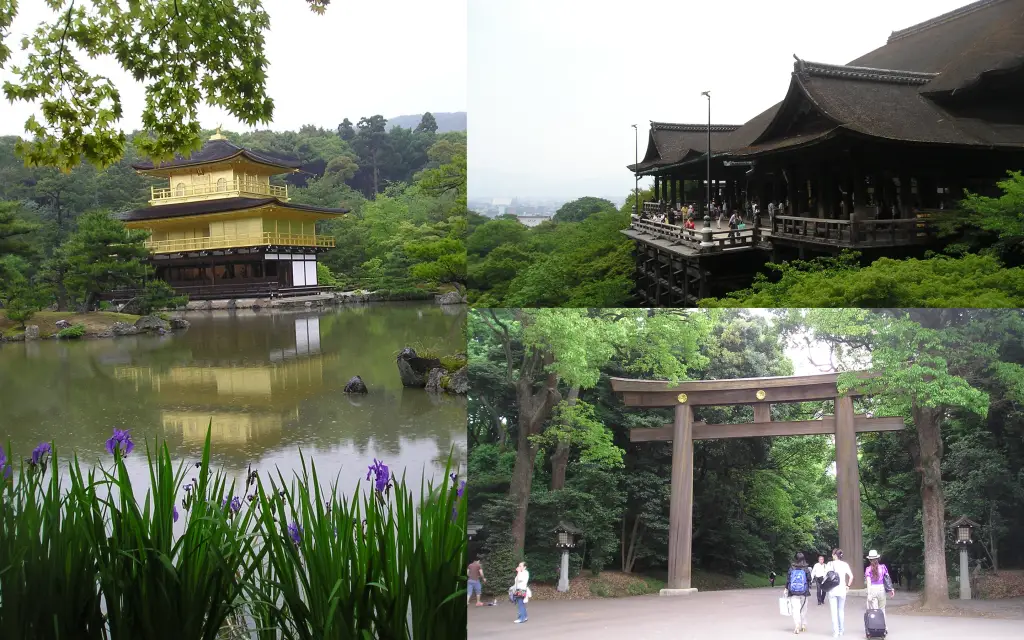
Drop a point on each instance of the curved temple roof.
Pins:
(220, 205)
(219, 150)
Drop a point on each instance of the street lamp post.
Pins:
(566, 541)
(636, 175)
(962, 529)
(707, 94)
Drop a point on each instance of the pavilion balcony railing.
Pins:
(219, 188)
(854, 233)
(693, 238)
(267, 238)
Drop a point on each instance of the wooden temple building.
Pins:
(220, 229)
(855, 156)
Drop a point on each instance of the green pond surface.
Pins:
(270, 383)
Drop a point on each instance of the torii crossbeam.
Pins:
(761, 393)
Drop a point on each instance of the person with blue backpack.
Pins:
(798, 587)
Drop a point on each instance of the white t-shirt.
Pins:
(523, 577)
(818, 571)
(843, 569)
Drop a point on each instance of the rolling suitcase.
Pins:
(874, 623)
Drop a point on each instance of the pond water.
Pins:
(269, 384)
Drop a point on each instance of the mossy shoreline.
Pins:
(97, 323)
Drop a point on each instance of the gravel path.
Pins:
(715, 615)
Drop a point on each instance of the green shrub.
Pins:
(159, 295)
(452, 364)
(74, 331)
(600, 589)
(637, 588)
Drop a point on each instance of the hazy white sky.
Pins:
(554, 85)
(388, 57)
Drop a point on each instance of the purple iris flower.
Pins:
(39, 453)
(174, 514)
(120, 441)
(5, 468)
(295, 532)
(236, 504)
(381, 475)
(462, 489)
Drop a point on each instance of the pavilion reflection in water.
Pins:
(247, 402)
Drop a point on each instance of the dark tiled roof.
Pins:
(879, 103)
(959, 45)
(670, 143)
(217, 150)
(220, 205)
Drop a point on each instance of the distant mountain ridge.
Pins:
(445, 121)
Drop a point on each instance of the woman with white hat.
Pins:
(876, 575)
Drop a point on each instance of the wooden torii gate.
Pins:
(761, 393)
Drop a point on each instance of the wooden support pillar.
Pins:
(851, 535)
(657, 279)
(680, 518)
(762, 412)
(905, 200)
(672, 192)
(860, 191)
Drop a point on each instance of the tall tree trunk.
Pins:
(534, 410)
(560, 457)
(933, 504)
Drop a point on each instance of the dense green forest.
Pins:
(580, 259)
(405, 188)
(548, 440)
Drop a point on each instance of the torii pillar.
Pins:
(761, 393)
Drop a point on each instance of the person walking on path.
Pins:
(837, 595)
(798, 585)
(875, 575)
(771, 578)
(818, 577)
(475, 574)
(521, 593)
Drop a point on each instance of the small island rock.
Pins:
(434, 381)
(458, 383)
(123, 329)
(413, 369)
(152, 323)
(452, 297)
(356, 385)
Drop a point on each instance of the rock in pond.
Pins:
(452, 297)
(123, 329)
(435, 383)
(32, 332)
(413, 369)
(179, 324)
(355, 385)
(62, 324)
(458, 383)
(152, 323)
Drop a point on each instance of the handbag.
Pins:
(887, 581)
(784, 607)
(831, 580)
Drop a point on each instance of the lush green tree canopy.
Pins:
(184, 52)
(580, 209)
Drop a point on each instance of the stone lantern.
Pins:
(963, 530)
(567, 536)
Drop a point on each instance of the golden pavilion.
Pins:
(220, 229)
